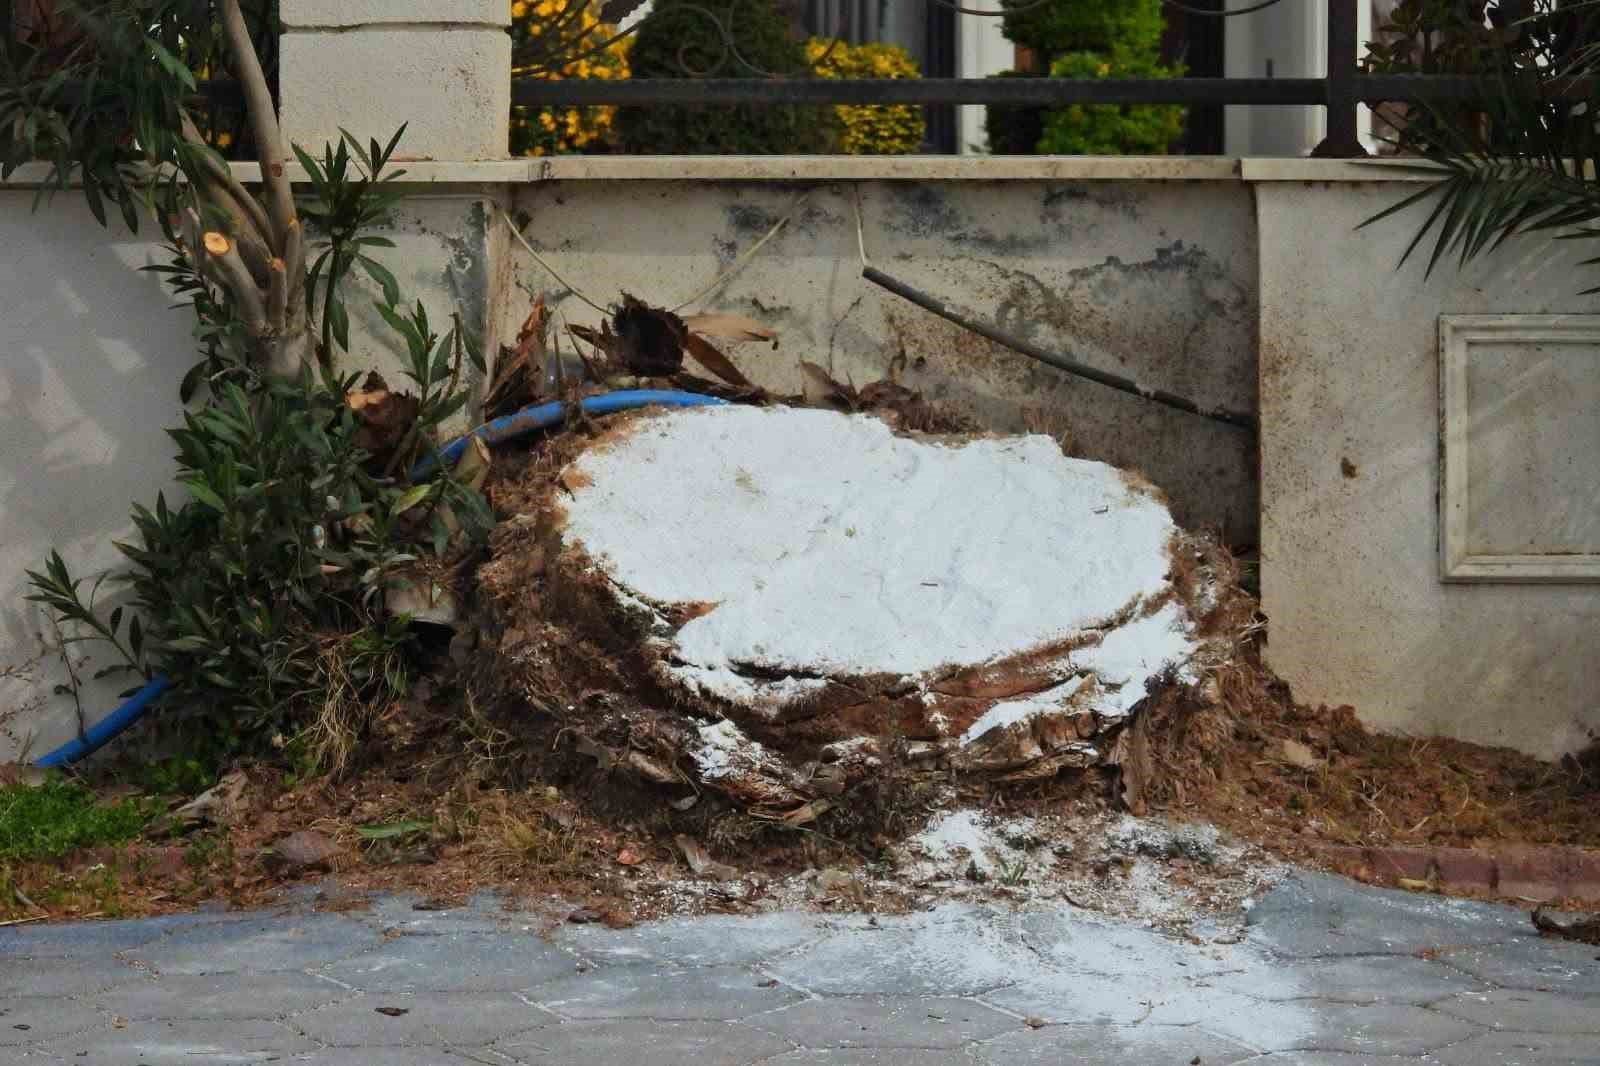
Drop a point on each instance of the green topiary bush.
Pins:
(867, 130)
(680, 40)
(1110, 129)
(1062, 26)
(1091, 39)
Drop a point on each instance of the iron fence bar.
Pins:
(1041, 91)
(1343, 139)
(1367, 88)
(1416, 88)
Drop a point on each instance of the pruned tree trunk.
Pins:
(249, 244)
(260, 259)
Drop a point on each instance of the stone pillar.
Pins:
(443, 67)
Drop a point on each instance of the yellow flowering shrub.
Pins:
(894, 129)
(559, 26)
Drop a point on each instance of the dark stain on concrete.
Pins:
(466, 279)
(924, 211)
(1059, 202)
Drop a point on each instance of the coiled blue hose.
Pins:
(526, 421)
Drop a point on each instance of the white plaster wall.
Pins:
(984, 51)
(1349, 571)
(90, 361)
(441, 68)
(1289, 40)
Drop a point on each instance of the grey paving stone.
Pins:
(63, 977)
(461, 962)
(886, 1022)
(952, 950)
(1100, 1044)
(1383, 1029)
(182, 1044)
(1521, 1049)
(1302, 1025)
(1326, 979)
(262, 945)
(873, 1057)
(464, 1019)
(37, 1019)
(643, 1043)
(717, 993)
(1076, 941)
(1100, 970)
(1534, 964)
(1084, 999)
(716, 940)
(1363, 979)
(77, 940)
(394, 1056)
(1255, 1023)
(219, 997)
(1336, 1058)
(1316, 914)
(1525, 1011)
(1094, 971)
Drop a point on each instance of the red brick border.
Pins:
(1511, 870)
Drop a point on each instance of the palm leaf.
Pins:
(1528, 170)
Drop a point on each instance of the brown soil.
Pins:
(1227, 763)
(565, 834)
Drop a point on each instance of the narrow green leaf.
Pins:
(410, 498)
(391, 830)
(381, 274)
(204, 494)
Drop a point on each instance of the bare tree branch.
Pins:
(218, 258)
(294, 260)
(277, 296)
(247, 205)
(263, 121)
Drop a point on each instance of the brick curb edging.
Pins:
(1513, 870)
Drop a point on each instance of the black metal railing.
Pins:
(1344, 88)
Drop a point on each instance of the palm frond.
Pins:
(1525, 164)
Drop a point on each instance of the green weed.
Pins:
(47, 821)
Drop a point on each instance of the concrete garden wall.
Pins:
(1176, 273)
(1151, 278)
(1463, 605)
(1366, 606)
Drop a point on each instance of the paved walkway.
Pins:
(1326, 973)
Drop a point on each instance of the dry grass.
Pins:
(345, 712)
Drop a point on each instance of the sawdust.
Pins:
(1225, 761)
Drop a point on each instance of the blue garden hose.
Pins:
(528, 420)
(107, 728)
(531, 419)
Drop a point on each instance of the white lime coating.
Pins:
(833, 548)
(723, 749)
(1122, 664)
(964, 836)
(1010, 712)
